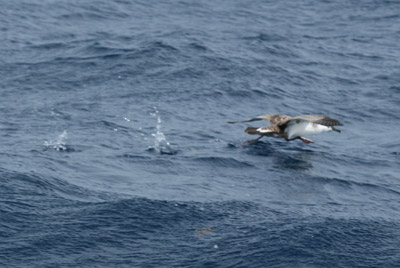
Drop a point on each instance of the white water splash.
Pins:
(59, 144)
(161, 145)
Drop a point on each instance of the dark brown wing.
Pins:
(273, 119)
(277, 119)
(319, 119)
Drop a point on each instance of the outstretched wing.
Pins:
(277, 119)
(273, 119)
(319, 119)
(244, 121)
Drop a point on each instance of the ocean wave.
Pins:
(223, 162)
(219, 229)
(36, 191)
(109, 187)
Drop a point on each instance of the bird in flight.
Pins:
(291, 128)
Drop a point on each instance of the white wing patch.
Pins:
(264, 130)
(304, 128)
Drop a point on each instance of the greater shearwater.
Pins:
(291, 128)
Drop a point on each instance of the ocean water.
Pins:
(115, 151)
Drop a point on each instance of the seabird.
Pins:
(291, 128)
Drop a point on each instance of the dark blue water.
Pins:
(115, 150)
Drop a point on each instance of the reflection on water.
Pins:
(284, 157)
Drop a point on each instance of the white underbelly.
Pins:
(304, 128)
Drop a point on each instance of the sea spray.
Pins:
(59, 144)
(160, 143)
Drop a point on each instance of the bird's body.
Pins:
(304, 128)
(291, 128)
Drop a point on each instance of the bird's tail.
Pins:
(252, 131)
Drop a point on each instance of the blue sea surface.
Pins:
(115, 149)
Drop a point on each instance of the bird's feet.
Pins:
(306, 140)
